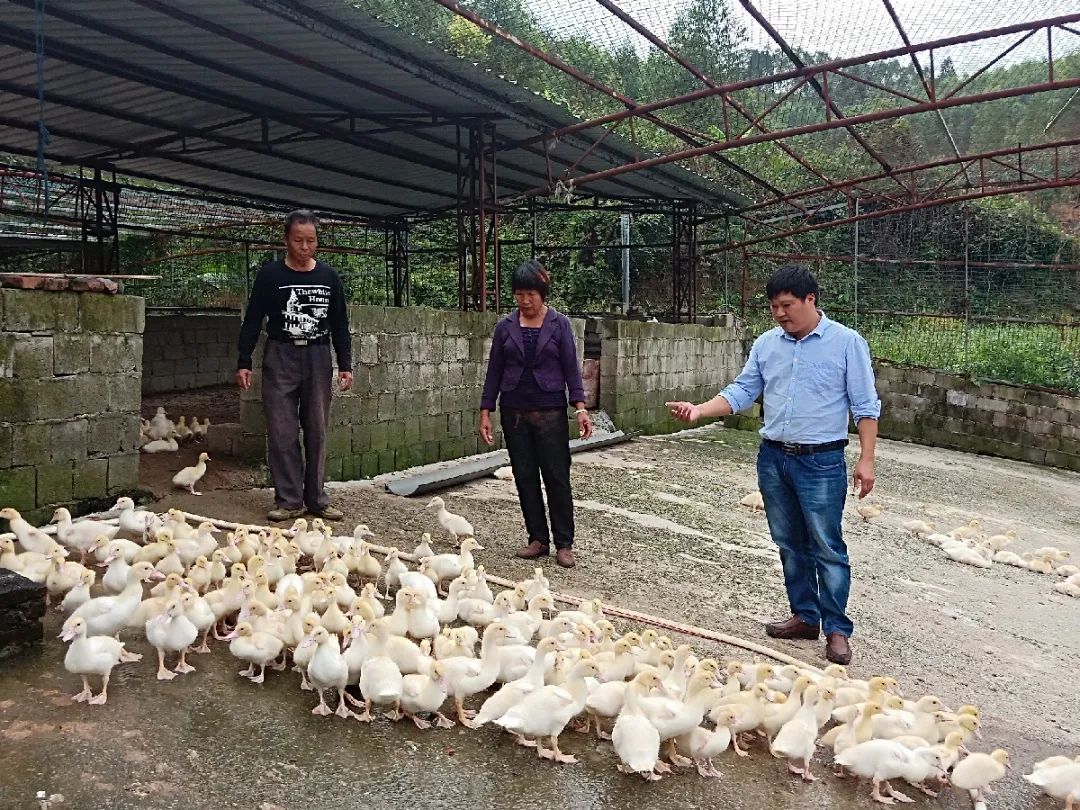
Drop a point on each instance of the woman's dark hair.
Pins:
(531, 275)
(301, 216)
(795, 279)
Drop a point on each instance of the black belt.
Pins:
(301, 342)
(793, 449)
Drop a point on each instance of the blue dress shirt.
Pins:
(809, 384)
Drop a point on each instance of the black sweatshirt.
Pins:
(297, 306)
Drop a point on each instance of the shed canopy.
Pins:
(311, 103)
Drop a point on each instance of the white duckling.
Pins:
(635, 738)
(200, 574)
(171, 631)
(200, 430)
(466, 676)
(451, 643)
(365, 566)
(976, 772)
(750, 712)
(971, 530)
(883, 760)
(108, 615)
(425, 694)
(198, 611)
(1061, 781)
(919, 528)
(31, 538)
(968, 556)
(523, 624)
(673, 717)
(1052, 553)
(869, 511)
(795, 740)
(381, 682)
(448, 566)
(333, 619)
(510, 694)
(1010, 558)
(455, 525)
(80, 536)
(394, 569)
(545, 712)
(369, 595)
(166, 444)
(418, 581)
(405, 653)
(536, 584)
(479, 588)
(171, 562)
(754, 501)
(258, 649)
(80, 594)
(29, 564)
(998, 541)
(327, 670)
(62, 576)
(188, 477)
(423, 548)
(90, 655)
(703, 744)
(155, 551)
(160, 424)
(778, 714)
(183, 432)
(118, 546)
(133, 521)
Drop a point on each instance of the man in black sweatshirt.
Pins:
(303, 302)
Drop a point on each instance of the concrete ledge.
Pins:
(22, 608)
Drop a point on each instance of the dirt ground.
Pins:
(659, 530)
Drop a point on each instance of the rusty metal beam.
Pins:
(825, 126)
(792, 75)
(557, 63)
(795, 59)
(1018, 188)
(914, 169)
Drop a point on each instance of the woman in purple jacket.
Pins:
(533, 363)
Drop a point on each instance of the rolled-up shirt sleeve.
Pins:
(748, 386)
(861, 391)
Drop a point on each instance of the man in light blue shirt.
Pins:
(813, 372)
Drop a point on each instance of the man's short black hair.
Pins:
(531, 275)
(301, 216)
(795, 279)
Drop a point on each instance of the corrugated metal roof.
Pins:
(285, 103)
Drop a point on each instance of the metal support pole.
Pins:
(855, 262)
(967, 293)
(744, 281)
(625, 238)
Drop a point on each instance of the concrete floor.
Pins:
(659, 529)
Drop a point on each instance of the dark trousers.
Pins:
(296, 394)
(538, 443)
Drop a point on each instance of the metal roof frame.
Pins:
(229, 97)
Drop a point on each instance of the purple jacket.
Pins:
(556, 366)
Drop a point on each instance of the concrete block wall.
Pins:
(70, 374)
(188, 349)
(643, 365)
(944, 410)
(416, 397)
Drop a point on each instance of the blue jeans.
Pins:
(804, 504)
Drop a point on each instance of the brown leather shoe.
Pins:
(837, 649)
(533, 550)
(565, 557)
(793, 628)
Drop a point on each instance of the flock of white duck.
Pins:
(160, 434)
(276, 596)
(971, 545)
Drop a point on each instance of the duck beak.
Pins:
(307, 642)
(156, 575)
(231, 636)
(67, 635)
